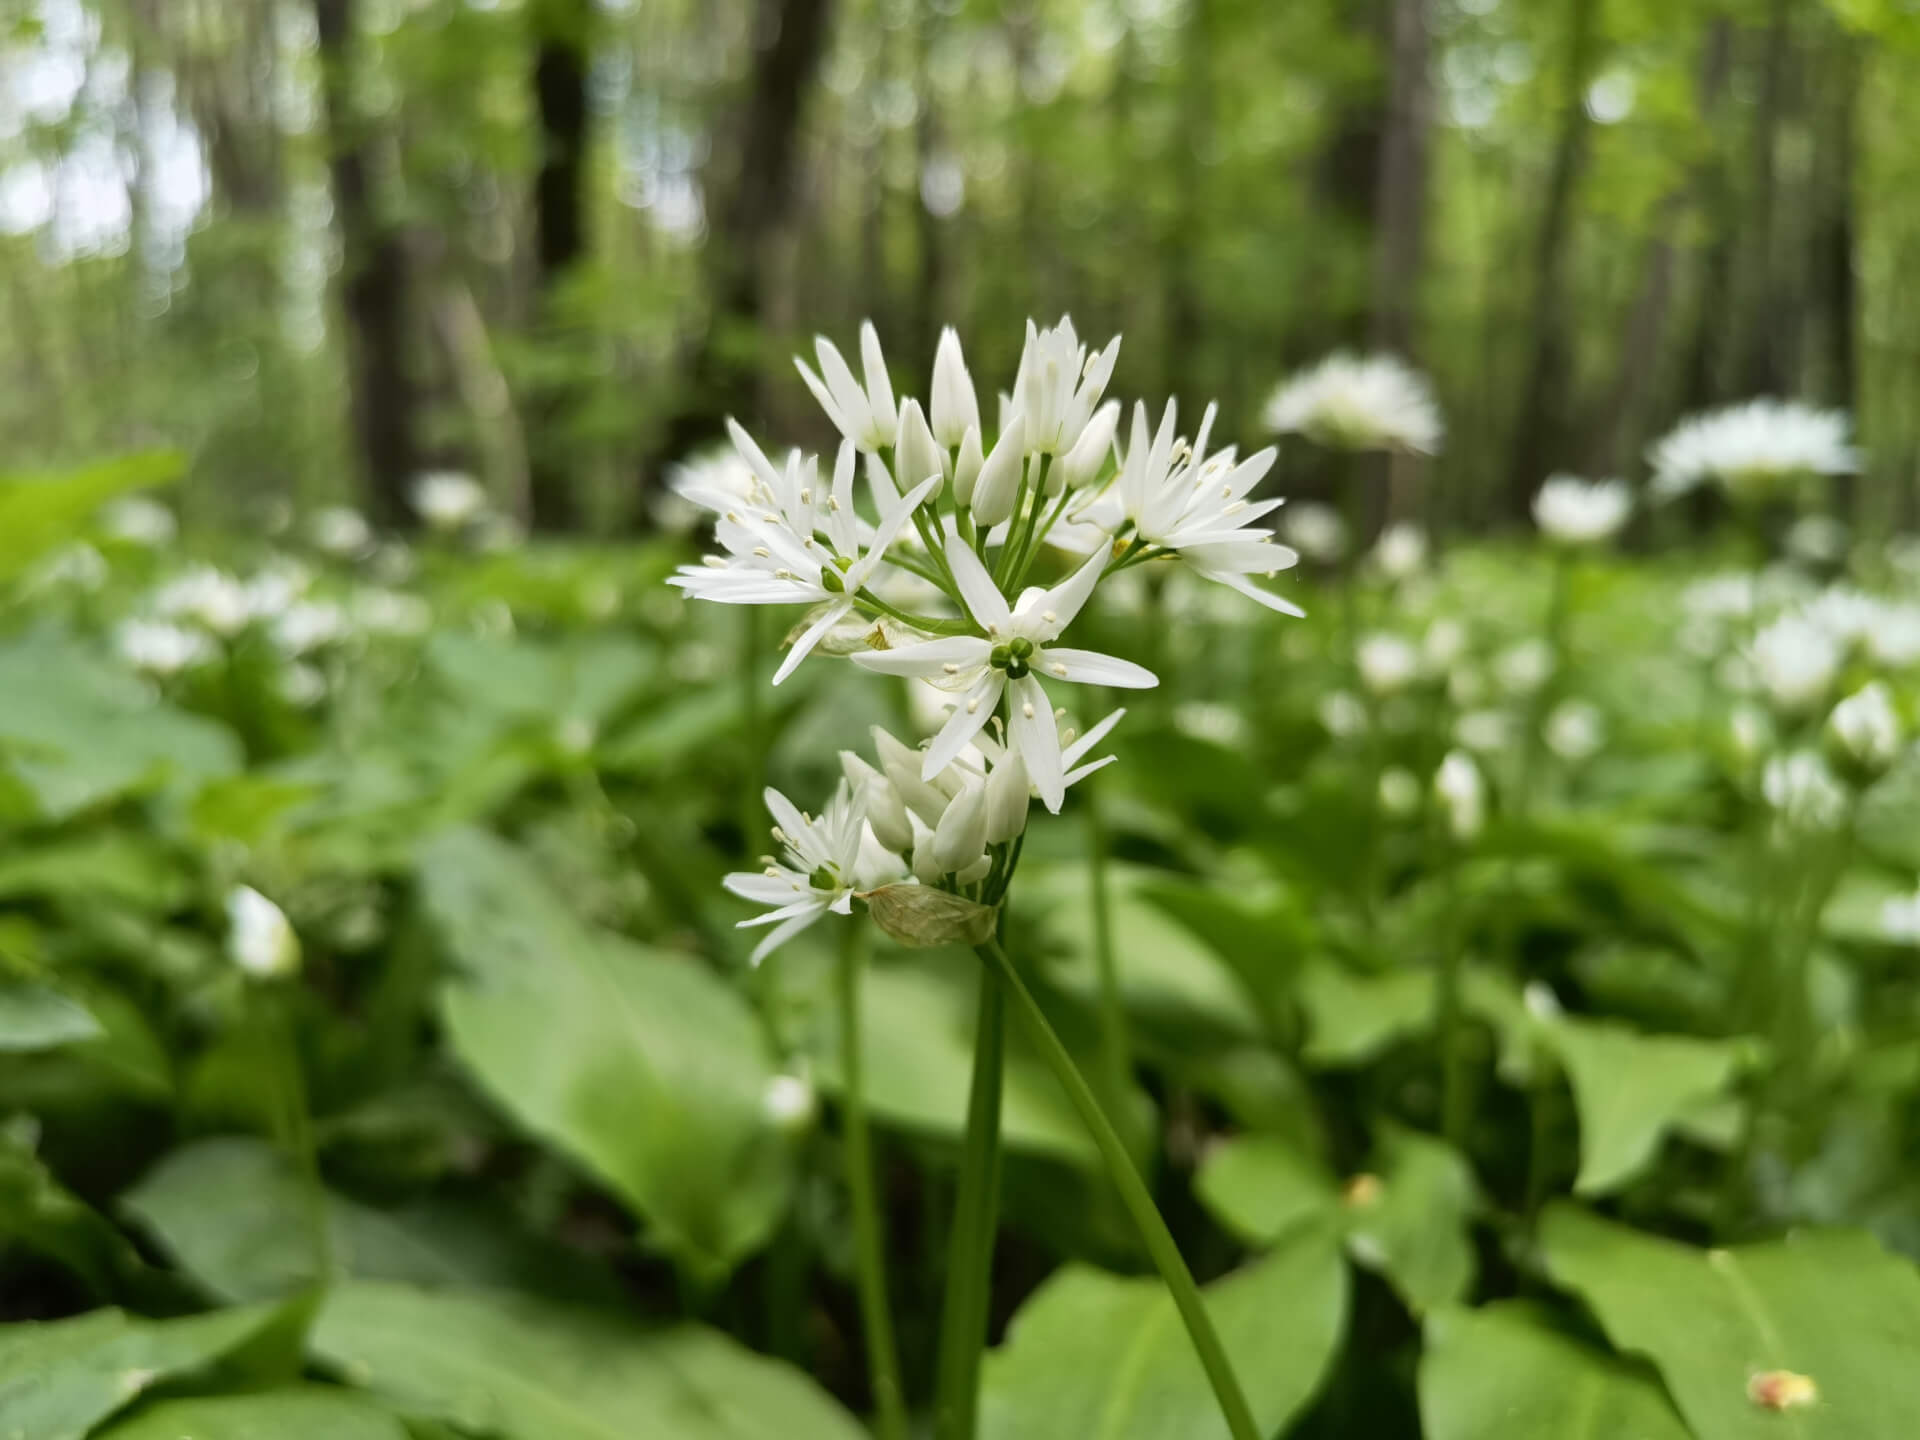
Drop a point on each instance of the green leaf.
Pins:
(1630, 1089)
(1504, 1373)
(1830, 1305)
(1098, 1357)
(641, 1065)
(61, 1378)
(307, 1414)
(1413, 1227)
(526, 1369)
(1260, 1187)
(38, 1212)
(112, 866)
(228, 1211)
(38, 1017)
(1351, 1019)
(40, 512)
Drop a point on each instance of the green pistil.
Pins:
(824, 878)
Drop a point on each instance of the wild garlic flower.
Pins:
(1754, 450)
(1349, 402)
(211, 598)
(715, 479)
(1059, 385)
(1864, 732)
(1316, 531)
(1462, 795)
(1401, 551)
(447, 499)
(1387, 663)
(160, 647)
(1796, 661)
(954, 409)
(824, 860)
(259, 939)
(139, 520)
(1572, 511)
(1900, 919)
(864, 413)
(1803, 791)
(339, 530)
(1575, 730)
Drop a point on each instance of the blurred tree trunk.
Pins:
(1832, 282)
(376, 289)
(1400, 213)
(1181, 259)
(928, 291)
(746, 207)
(561, 51)
(1545, 422)
(1760, 364)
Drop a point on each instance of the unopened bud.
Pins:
(887, 814)
(259, 939)
(915, 456)
(961, 836)
(1008, 793)
(1083, 463)
(966, 469)
(999, 481)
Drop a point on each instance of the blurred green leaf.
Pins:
(306, 1414)
(37, 513)
(1351, 1018)
(38, 1017)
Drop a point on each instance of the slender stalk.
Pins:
(1453, 1075)
(883, 1355)
(272, 1008)
(1559, 595)
(1133, 1193)
(1116, 1063)
(753, 726)
(963, 1320)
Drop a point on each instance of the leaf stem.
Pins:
(272, 1005)
(876, 1317)
(1133, 1193)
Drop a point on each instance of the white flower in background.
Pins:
(1752, 450)
(1343, 714)
(1894, 640)
(1750, 732)
(1399, 792)
(1208, 720)
(1349, 402)
(77, 566)
(953, 408)
(715, 479)
(309, 625)
(1541, 1002)
(1572, 511)
(1865, 729)
(1850, 616)
(865, 414)
(302, 686)
(809, 550)
(160, 647)
(1523, 667)
(1467, 687)
(139, 520)
(825, 861)
(1721, 598)
(259, 939)
(1015, 652)
(391, 613)
(1795, 661)
(1803, 790)
(1316, 531)
(1387, 663)
(340, 530)
(271, 593)
(1462, 795)
(1443, 645)
(1575, 731)
(1484, 732)
(789, 1103)
(1900, 919)
(208, 597)
(448, 499)
(1817, 540)
(1401, 552)
(1059, 385)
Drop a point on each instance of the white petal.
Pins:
(879, 385)
(1253, 592)
(780, 936)
(967, 720)
(1066, 599)
(762, 889)
(822, 394)
(1034, 732)
(785, 813)
(889, 527)
(927, 659)
(1089, 667)
(811, 637)
(1092, 738)
(984, 601)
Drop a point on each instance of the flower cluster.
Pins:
(1753, 451)
(1349, 402)
(912, 555)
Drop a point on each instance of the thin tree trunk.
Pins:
(748, 207)
(1400, 212)
(1761, 365)
(560, 93)
(1544, 424)
(1180, 253)
(375, 284)
(1832, 283)
(928, 298)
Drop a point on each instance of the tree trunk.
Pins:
(375, 284)
(1345, 188)
(1544, 425)
(560, 93)
(1181, 260)
(1400, 212)
(928, 296)
(1761, 367)
(748, 207)
(1833, 284)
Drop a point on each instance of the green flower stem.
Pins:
(1133, 1193)
(1559, 601)
(963, 1320)
(271, 1004)
(874, 605)
(753, 724)
(1115, 1050)
(1453, 1073)
(883, 1355)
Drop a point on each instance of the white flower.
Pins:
(1867, 728)
(1575, 730)
(960, 839)
(1016, 650)
(1208, 720)
(212, 598)
(1751, 450)
(139, 520)
(1796, 662)
(826, 860)
(1573, 511)
(339, 530)
(1401, 551)
(1343, 713)
(78, 565)
(788, 1103)
(866, 415)
(807, 549)
(1900, 919)
(1349, 402)
(1894, 640)
(1750, 732)
(1803, 790)
(717, 479)
(1387, 663)
(1059, 386)
(1542, 1004)
(1399, 792)
(447, 499)
(302, 686)
(259, 939)
(954, 408)
(1316, 531)
(1850, 616)
(160, 647)
(391, 612)
(1462, 795)
(308, 625)
(1817, 540)
(1485, 732)
(1443, 645)
(1523, 667)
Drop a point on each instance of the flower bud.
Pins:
(788, 1104)
(887, 814)
(1863, 734)
(1462, 795)
(961, 836)
(915, 456)
(999, 482)
(926, 869)
(902, 767)
(1083, 463)
(955, 409)
(966, 469)
(259, 939)
(1008, 793)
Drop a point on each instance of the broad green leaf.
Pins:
(307, 1414)
(641, 1065)
(39, 512)
(61, 1378)
(1260, 1187)
(1830, 1305)
(112, 865)
(231, 1213)
(1505, 1373)
(1630, 1089)
(1868, 908)
(1100, 1357)
(38, 1017)
(523, 1369)
(1353, 1018)
(38, 1212)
